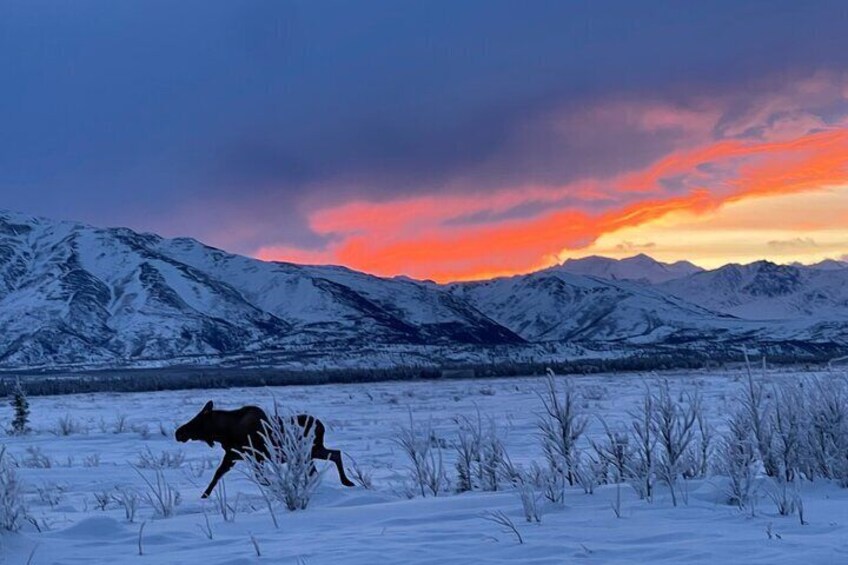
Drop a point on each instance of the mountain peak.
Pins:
(641, 258)
(641, 267)
(830, 265)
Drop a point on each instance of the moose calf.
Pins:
(239, 430)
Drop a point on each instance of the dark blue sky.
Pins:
(232, 121)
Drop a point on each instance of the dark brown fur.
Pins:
(237, 429)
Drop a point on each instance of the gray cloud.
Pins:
(630, 246)
(794, 243)
(199, 115)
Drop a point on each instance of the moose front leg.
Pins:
(226, 464)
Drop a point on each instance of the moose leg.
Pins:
(226, 464)
(335, 456)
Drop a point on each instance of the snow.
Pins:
(381, 525)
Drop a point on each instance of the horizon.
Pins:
(635, 255)
(283, 131)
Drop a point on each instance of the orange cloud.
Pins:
(432, 236)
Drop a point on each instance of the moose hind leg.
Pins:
(335, 456)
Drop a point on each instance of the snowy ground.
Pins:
(381, 525)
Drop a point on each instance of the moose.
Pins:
(244, 428)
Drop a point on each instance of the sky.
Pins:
(440, 140)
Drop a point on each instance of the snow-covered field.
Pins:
(380, 524)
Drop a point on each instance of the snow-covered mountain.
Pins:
(554, 305)
(757, 303)
(830, 265)
(71, 293)
(75, 294)
(767, 291)
(640, 268)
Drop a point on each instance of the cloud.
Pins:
(629, 246)
(384, 137)
(792, 244)
(416, 236)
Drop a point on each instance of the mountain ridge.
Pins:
(73, 294)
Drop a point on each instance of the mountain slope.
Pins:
(766, 291)
(70, 293)
(553, 305)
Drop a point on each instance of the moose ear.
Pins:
(208, 407)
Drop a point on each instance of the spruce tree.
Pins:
(21, 406)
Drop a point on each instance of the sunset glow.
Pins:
(774, 189)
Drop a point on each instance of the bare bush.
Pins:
(561, 426)
(701, 455)
(286, 474)
(593, 392)
(827, 435)
(13, 508)
(165, 460)
(788, 425)
(757, 409)
(501, 519)
(616, 503)
(737, 459)
(68, 425)
(785, 496)
(102, 499)
(532, 485)
(362, 476)
(674, 427)
(36, 459)
(426, 463)
(119, 426)
(591, 472)
(50, 493)
(642, 467)
(142, 430)
(206, 527)
(480, 455)
(222, 503)
(163, 497)
(467, 449)
(196, 469)
(487, 391)
(615, 452)
(127, 498)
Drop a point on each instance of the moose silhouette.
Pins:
(243, 429)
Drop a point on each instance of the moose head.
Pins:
(198, 428)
